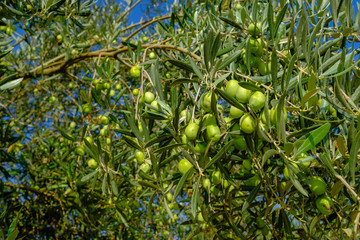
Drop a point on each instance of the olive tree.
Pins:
(213, 120)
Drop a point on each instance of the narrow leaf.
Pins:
(250, 198)
(314, 138)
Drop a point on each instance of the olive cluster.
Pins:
(257, 55)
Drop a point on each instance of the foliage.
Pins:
(92, 130)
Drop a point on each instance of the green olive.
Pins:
(149, 97)
(247, 124)
(232, 87)
(324, 204)
(255, 29)
(317, 185)
(243, 94)
(235, 112)
(191, 131)
(257, 101)
(92, 163)
(135, 71)
(184, 166)
(213, 133)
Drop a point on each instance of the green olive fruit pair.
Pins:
(286, 171)
(104, 120)
(104, 131)
(232, 87)
(256, 46)
(185, 114)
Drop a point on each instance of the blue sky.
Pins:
(137, 12)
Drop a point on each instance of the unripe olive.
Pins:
(135, 71)
(235, 112)
(135, 92)
(80, 150)
(324, 204)
(105, 120)
(145, 167)
(149, 97)
(240, 143)
(255, 29)
(152, 55)
(317, 185)
(155, 104)
(206, 183)
(216, 178)
(213, 133)
(89, 139)
(191, 131)
(92, 163)
(243, 94)
(257, 101)
(206, 102)
(139, 156)
(253, 181)
(247, 124)
(264, 68)
(232, 87)
(184, 166)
